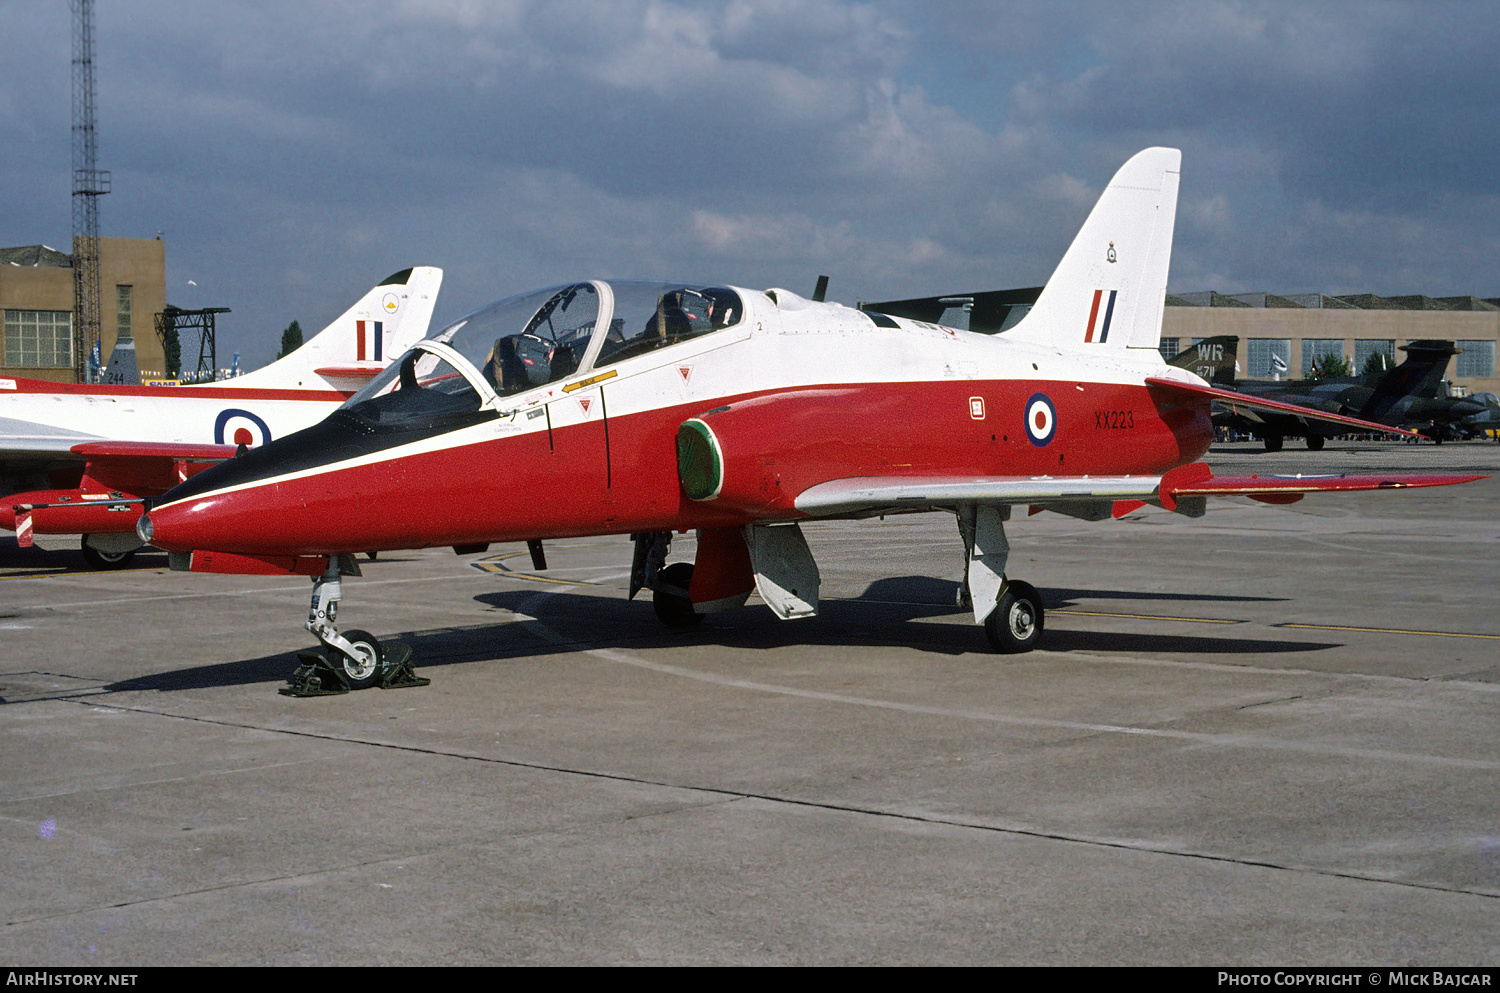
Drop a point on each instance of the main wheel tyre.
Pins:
(1273, 442)
(1015, 625)
(363, 668)
(1315, 442)
(97, 559)
(670, 598)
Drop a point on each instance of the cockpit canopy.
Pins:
(536, 338)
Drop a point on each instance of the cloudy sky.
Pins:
(292, 153)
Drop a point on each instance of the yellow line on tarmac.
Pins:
(493, 564)
(1146, 617)
(1430, 634)
(499, 570)
(503, 556)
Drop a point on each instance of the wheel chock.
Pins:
(396, 672)
(318, 675)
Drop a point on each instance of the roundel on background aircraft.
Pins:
(240, 427)
(1041, 420)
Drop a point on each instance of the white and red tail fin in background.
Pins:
(381, 326)
(1109, 289)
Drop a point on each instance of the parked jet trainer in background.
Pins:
(85, 456)
(648, 409)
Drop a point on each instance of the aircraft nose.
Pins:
(336, 487)
(226, 508)
(297, 495)
(195, 523)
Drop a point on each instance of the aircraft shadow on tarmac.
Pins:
(895, 612)
(914, 613)
(1056, 598)
(924, 596)
(31, 563)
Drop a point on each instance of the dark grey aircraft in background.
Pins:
(1405, 396)
(1481, 424)
(1215, 359)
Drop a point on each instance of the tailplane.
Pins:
(380, 327)
(1109, 289)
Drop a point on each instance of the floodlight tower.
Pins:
(89, 184)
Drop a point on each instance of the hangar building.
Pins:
(36, 297)
(1293, 331)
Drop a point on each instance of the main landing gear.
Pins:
(354, 660)
(669, 597)
(1011, 611)
(775, 560)
(668, 584)
(107, 557)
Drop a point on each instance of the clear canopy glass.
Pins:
(532, 339)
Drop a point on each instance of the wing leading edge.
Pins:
(868, 496)
(1090, 497)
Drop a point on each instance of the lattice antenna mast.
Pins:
(89, 184)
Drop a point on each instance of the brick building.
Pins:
(36, 299)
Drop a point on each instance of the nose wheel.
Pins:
(362, 665)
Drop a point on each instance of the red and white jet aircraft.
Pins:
(78, 459)
(647, 409)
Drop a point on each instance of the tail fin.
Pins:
(123, 369)
(1216, 359)
(1109, 289)
(381, 326)
(1419, 376)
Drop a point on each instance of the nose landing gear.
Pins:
(351, 661)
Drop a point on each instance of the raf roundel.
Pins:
(1041, 420)
(240, 427)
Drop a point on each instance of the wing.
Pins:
(22, 439)
(168, 450)
(1290, 488)
(868, 496)
(1183, 490)
(350, 371)
(146, 468)
(107, 497)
